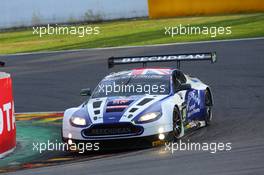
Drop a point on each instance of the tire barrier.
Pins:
(7, 117)
(173, 8)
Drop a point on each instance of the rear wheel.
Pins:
(208, 108)
(177, 124)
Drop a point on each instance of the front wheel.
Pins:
(177, 124)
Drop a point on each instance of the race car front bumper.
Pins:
(124, 143)
(154, 129)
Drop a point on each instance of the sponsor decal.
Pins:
(7, 118)
(164, 58)
(193, 103)
(110, 131)
(120, 101)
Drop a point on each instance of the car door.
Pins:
(178, 78)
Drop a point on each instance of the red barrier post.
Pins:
(7, 117)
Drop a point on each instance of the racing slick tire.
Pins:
(178, 128)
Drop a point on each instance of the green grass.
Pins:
(132, 33)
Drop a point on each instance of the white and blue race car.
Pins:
(155, 103)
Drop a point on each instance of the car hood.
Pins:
(119, 109)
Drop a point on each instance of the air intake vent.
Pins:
(120, 129)
(97, 104)
(97, 112)
(144, 101)
(133, 109)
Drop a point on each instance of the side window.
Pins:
(176, 81)
(180, 76)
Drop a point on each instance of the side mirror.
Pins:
(184, 87)
(86, 92)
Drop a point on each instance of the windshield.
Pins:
(133, 85)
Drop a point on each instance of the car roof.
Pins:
(142, 71)
(145, 71)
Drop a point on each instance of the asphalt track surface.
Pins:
(51, 82)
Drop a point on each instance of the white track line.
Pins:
(2, 155)
(48, 112)
(128, 47)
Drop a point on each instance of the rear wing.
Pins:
(112, 61)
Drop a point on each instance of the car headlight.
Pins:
(78, 121)
(152, 116)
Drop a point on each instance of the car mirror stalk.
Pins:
(184, 87)
(86, 92)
